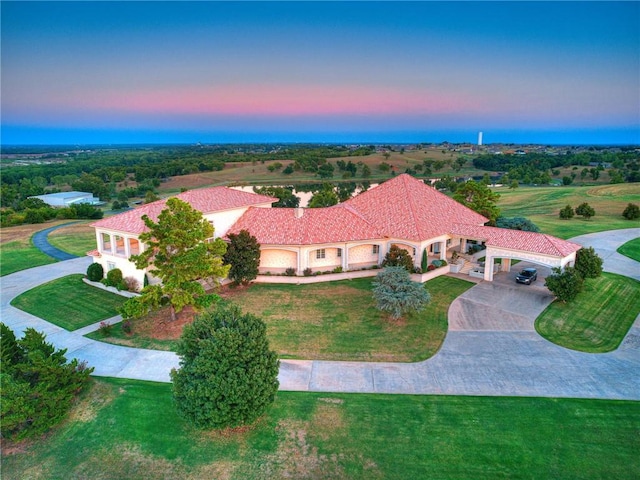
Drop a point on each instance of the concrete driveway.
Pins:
(491, 348)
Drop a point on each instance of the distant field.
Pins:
(542, 205)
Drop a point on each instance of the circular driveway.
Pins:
(491, 348)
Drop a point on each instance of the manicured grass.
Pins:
(76, 239)
(335, 321)
(339, 321)
(69, 302)
(541, 205)
(598, 320)
(20, 255)
(631, 249)
(129, 429)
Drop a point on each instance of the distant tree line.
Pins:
(97, 171)
(622, 166)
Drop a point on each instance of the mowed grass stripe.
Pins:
(130, 429)
(18, 255)
(598, 319)
(631, 249)
(69, 302)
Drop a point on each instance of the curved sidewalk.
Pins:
(486, 358)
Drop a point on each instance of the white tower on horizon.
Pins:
(479, 139)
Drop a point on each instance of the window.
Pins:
(339, 254)
(376, 249)
(320, 253)
(110, 266)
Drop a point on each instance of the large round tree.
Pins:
(228, 376)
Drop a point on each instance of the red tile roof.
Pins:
(405, 207)
(308, 226)
(206, 200)
(518, 240)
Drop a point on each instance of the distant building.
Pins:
(66, 199)
(479, 139)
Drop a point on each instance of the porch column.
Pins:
(345, 258)
(298, 262)
(488, 268)
(127, 247)
(463, 246)
(443, 250)
(112, 244)
(506, 264)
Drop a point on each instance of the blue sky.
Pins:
(141, 72)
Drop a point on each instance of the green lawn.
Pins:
(541, 205)
(75, 239)
(631, 249)
(126, 429)
(335, 321)
(598, 320)
(20, 255)
(69, 302)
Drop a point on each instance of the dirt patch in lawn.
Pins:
(75, 229)
(24, 232)
(158, 325)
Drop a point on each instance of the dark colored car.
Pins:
(527, 275)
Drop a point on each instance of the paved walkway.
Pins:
(41, 241)
(491, 348)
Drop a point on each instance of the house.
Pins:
(353, 235)
(66, 199)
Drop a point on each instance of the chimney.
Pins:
(298, 212)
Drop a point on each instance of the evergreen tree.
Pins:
(228, 376)
(243, 256)
(38, 384)
(396, 294)
(398, 257)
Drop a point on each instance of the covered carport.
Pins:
(508, 245)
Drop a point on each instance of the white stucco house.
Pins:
(353, 235)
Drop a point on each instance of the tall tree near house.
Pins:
(479, 198)
(181, 252)
(285, 196)
(243, 256)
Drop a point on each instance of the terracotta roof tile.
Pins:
(206, 200)
(518, 240)
(405, 207)
(308, 226)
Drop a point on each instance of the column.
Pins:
(488, 268)
(506, 264)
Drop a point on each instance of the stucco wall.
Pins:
(362, 254)
(331, 259)
(222, 221)
(277, 259)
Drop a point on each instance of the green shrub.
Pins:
(396, 294)
(307, 272)
(631, 212)
(588, 263)
(105, 329)
(290, 272)
(114, 278)
(228, 376)
(398, 257)
(95, 272)
(337, 270)
(566, 213)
